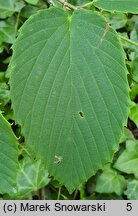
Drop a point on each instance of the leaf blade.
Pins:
(128, 160)
(132, 190)
(8, 158)
(68, 87)
(118, 5)
(110, 182)
(30, 177)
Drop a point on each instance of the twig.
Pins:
(85, 5)
(75, 194)
(128, 40)
(66, 4)
(41, 194)
(17, 23)
(59, 192)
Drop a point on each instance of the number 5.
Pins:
(129, 207)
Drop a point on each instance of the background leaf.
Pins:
(110, 182)
(4, 92)
(126, 135)
(78, 2)
(128, 160)
(32, 1)
(8, 157)
(117, 20)
(31, 177)
(118, 5)
(133, 115)
(132, 190)
(8, 7)
(7, 32)
(69, 91)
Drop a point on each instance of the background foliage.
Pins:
(118, 180)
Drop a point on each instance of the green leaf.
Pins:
(69, 91)
(110, 182)
(134, 91)
(128, 160)
(117, 20)
(31, 177)
(135, 69)
(8, 7)
(7, 32)
(8, 157)
(126, 135)
(32, 1)
(133, 115)
(132, 190)
(78, 2)
(118, 5)
(28, 10)
(4, 94)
